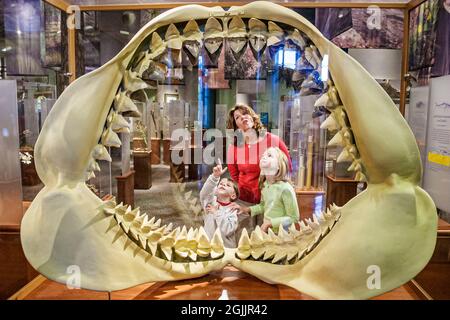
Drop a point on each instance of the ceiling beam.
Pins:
(60, 4)
(293, 4)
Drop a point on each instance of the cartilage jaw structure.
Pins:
(390, 225)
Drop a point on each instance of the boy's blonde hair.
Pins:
(283, 165)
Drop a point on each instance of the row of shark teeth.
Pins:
(115, 122)
(157, 59)
(162, 241)
(338, 122)
(288, 247)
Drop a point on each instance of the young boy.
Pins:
(217, 197)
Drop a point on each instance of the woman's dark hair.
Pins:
(245, 109)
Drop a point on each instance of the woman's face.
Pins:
(243, 121)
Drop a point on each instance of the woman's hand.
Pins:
(240, 209)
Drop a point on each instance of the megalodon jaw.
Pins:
(391, 226)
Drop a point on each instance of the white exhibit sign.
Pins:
(437, 165)
(417, 117)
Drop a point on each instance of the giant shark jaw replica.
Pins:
(391, 225)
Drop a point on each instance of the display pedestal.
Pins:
(166, 151)
(156, 151)
(143, 169)
(194, 170)
(340, 190)
(177, 171)
(238, 284)
(28, 171)
(308, 200)
(125, 188)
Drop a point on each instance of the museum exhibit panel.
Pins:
(116, 116)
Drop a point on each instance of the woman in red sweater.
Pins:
(250, 142)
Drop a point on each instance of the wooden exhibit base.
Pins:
(177, 171)
(143, 169)
(166, 151)
(195, 170)
(238, 285)
(307, 201)
(156, 151)
(125, 188)
(434, 279)
(340, 190)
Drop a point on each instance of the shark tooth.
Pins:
(180, 244)
(347, 134)
(283, 235)
(109, 206)
(297, 39)
(330, 124)
(142, 240)
(217, 248)
(322, 101)
(276, 34)
(111, 139)
(119, 124)
(89, 175)
(167, 251)
(93, 165)
(355, 166)
(293, 231)
(360, 177)
(352, 149)
(157, 46)
(143, 64)
(256, 237)
(269, 254)
(344, 156)
(280, 255)
(101, 153)
(132, 82)
(203, 246)
(337, 140)
(244, 246)
(310, 57)
(123, 103)
(121, 209)
(157, 224)
(152, 246)
(315, 53)
(134, 233)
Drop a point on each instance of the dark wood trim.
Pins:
(10, 228)
(414, 3)
(418, 290)
(294, 4)
(60, 4)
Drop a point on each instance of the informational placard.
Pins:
(437, 168)
(417, 117)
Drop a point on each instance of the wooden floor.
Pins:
(238, 286)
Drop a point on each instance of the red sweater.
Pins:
(246, 171)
